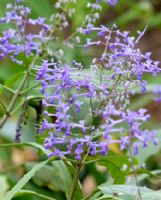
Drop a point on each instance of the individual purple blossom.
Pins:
(18, 1)
(78, 104)
(157, 91)
(104, 148)
(112, 2)
(78, 151)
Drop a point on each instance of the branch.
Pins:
(75, 181)
(17, 93)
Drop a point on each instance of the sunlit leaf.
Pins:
(32, 193)
(129, 192)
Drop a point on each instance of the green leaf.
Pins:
(29, 98)
(33, 144)
(48, 181)
(40, 190)
(29, 89)
(107, 197)
(143, 173)
(21, 183)
(78, 193)
(153, 21)
(94, 195)
(3, 186)
(135, 12)
(97, 196)
(13, 80)
(130, 192)
(115, 164)
(42, 8)
(6, 88)
(57, 178)
(152, 195)
(29, 192)
(64, 178)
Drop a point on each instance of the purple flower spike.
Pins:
(18, 40)
(81, 107)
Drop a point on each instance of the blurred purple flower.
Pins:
(112, 2)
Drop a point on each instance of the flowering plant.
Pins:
(83, 109)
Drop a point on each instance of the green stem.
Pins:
(22, 102)
(75, 181)
(133, 167)
(17, 93)
(29, 89)
(3, 105)
(7, 88)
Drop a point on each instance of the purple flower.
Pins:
(63, 87)
(104, 148)
(18, 1)
(17, 40)
(78, 104)
(157, 92)
(105, 94)
(78, 151)
(112, 2)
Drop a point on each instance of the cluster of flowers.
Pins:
(26, 36)
(85, 110)
(103, 92)
(121, 56)
(65, 9)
